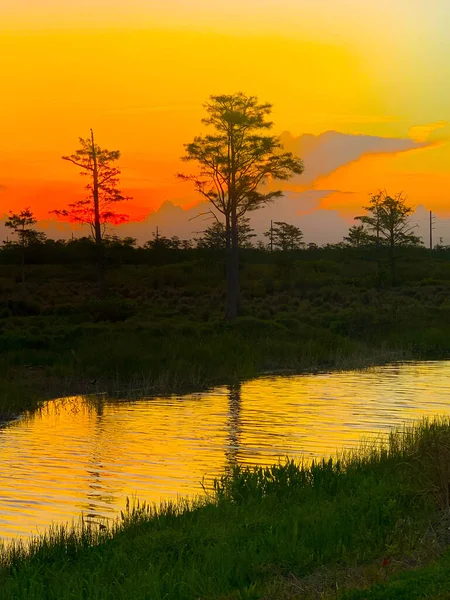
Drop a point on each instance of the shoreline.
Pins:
(288, 531)
(51, 388)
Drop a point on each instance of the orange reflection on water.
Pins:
(80, 455)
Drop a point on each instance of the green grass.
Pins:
(432, 582)
(263, 533)
(161, 326)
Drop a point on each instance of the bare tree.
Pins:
(97, 209)
(235, 163)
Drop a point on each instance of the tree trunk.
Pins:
(227, 232)
(393, 261)
(23, 265)
(233, 291)
(97, 225)
(378, 250)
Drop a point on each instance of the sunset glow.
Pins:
(139, 72)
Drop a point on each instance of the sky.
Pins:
(360, 90)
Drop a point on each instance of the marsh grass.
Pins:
(259, 530)
(161, 326)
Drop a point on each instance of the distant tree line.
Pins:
(29, 245)
(384, 230)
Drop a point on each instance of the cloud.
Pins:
(300, 208)
(422, 133)
(324, 153)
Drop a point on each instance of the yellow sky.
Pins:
(138, 72)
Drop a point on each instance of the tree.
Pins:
(358, 237)
(22, 226)
(161, 242)
(388, 222)
(215, 236)
(284, 236)
(119, 250)
(236, 162)
(97, 209)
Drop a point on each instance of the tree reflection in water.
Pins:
(233, 425)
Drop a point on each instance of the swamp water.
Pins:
(85, 456)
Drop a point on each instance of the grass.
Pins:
(288, 531)
(161, 326)
(432, 581)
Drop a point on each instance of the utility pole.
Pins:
(157, 233)
(271, 236)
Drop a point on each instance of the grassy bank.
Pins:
(160, 326)
(288, 531)
(432, 581)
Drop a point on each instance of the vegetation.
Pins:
(97, 210)
(236, 162)
(161, 326)
(214, 237)
(288, 531)
(284, 236)
(431, 581)
(21, 225)
(358, 237)
(334, 529)
(387, 222)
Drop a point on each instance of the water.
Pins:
(80, 456)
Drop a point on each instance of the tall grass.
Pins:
(259, 529)
(161, 326)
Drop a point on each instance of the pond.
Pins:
(85, 456)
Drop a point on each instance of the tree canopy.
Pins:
(238, 159)
(237, 164)
(388, 220)
(285, 236)
(98, 208)
(215, 236)
(22, 224)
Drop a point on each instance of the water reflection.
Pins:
(98, 490)
(87, 455)
(233, 424)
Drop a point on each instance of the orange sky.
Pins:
(139, 71)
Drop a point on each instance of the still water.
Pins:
(83, 456)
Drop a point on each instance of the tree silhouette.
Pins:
(161, 242)
(97, 209)
(215, 236)
(22, 226)
(284, 236)
(388, 224)
(235, 163)
(358, 237)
